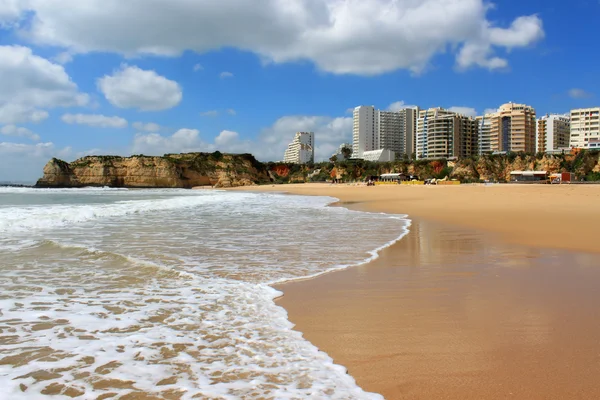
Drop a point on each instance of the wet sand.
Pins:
(478, 308)
(449, 313)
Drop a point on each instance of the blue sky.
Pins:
(153, 76)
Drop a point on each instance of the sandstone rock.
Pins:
(170, 171)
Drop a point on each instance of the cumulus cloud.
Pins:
(95, 120)
(146, 127)
(184, 140)
(226, 137)
(490, 111)
(29, 84)
(25, 162)
(209, 113)
(342, 37)
(225, 75)
(399, 105)
(479, 51)
(467, 111)
(63, 58)
(132, 87)
(13, 130)
(579, 94)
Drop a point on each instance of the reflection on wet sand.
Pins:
(455, 314)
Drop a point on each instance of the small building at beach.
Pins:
(528, 176)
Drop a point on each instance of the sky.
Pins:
(80, 77)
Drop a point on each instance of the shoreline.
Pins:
(553, 213)
(392, 322)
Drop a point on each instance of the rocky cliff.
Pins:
(584, 164)
(169, 171)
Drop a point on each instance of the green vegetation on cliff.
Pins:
(490, 167)
(223, 170)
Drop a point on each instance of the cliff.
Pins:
(584, 164)
(169, 171)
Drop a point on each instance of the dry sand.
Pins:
(492, 295)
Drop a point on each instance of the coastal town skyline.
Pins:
(71, 88)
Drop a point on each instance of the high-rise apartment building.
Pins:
(553, 133)
(585, 128)
(485, 134)
(513, 128)
(301, 150)
(390, 130)
(444, 134)
(364, 130)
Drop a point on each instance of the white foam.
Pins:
(178, 286)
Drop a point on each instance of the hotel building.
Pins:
(364, 130)
(585, 128)
(485, 134)
(444, 134)
(301, 150)
(377, 130)
(513, 128)
(553, 133)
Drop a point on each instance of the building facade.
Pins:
(444, 134)
(513, 128)
(553, 133)
(381, 155)
(485, 134)
(376, 129)
(364, 130)
(301, 150)
(585, 128)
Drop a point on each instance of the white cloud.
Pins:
(209, 113)
(231, 111)
(29, 83)
(132, 87)
(226, 137)
(146, 127)
(95, 120)
(63, 58)
(13, 130)
(579, 94)
(490, 111)
(467, 111)
(479, 51)
(10, 11)
(225, 75)
(183, 141)
(399, 105)
(352, 36)
(16, 113)
(25, 162)
(198, 67)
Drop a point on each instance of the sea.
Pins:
(167, 294)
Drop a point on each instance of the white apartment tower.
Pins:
(585, 128)
(553, 133)
(364, 130)
(485, 134)
(301, 150)
(377, 130)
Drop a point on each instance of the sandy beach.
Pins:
(492, 294)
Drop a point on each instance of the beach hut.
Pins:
(529, 176)
(562, 177)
